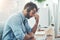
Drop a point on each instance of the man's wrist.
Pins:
(31, 34)
(31, 37)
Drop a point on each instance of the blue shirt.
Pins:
(16, 27)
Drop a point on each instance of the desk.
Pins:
(47, 34)
(49, 37)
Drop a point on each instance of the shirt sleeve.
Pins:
(28, 28)
(15, 25)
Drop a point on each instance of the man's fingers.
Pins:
(36, 16)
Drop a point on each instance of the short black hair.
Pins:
(31, 6)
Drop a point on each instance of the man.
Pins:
(17, 28)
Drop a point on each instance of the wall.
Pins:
(8, 7)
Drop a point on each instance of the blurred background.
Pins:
(49, 12)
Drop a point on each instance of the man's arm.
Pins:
(36, 24)
(17, 30)
(19, 34)
(30, 35)
(34, 27)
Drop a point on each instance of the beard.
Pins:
(28, 16)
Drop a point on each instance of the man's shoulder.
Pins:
(14, 17)
(17, 15)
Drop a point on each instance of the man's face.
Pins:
(31, 13)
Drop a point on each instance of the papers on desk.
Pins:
(40, 32)
(40, 35)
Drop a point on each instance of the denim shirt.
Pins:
(16, 27)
